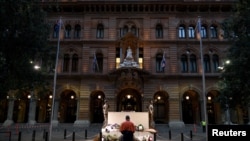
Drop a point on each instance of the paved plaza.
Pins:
(69, 132)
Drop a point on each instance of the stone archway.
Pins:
(129, 99)
(191, 110)
(68, 107)
(96, 104)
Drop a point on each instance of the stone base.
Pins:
(176, 125)
(81, 123)
(8, 122)
(54, 123)
(32, 122)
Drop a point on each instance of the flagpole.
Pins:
(203, 79)
(55, 77)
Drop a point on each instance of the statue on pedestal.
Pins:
(129, 60)
(151, 114)
(105, 113)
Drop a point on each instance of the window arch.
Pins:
(184, 63)
(159, 31)
(182, 31)
(213, 31)
(77, 31)
(191, 31)
(67, 31)
(74, 63)
(203, 32)
(158, 61)
(215, 62)
(207, 67)
(56, 31)
(193, 63)
(133, 30)
(66, 61)
(125, 30)
(100, 31)
(98, 62)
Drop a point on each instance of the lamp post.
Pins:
(55, 77)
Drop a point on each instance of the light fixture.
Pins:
(29, 96)
(50, 96)
(209, 98)
(99, 96)
(72, 97)
(128, 96)
(187, 97)
(36, 67)
(159, 97)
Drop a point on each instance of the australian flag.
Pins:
(163, 62)
(57, 28)
(95, 64)
(198, 29)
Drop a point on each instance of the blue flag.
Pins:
(163, 62)
(95, 64)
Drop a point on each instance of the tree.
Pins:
(23, 43)
(235, 83)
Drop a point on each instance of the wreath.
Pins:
(140, 127)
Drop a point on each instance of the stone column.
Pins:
(227, 115)
(9, 119)
(32, 110)
(55, 113)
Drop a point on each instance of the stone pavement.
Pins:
(68, 132)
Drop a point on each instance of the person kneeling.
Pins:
(127, 129)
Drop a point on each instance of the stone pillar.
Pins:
(227, 115)
(9, 119)
(32, 110)
(55, 113)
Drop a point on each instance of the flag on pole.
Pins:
(57, 27)
(198, 29)
(95, 64)
(163, 62)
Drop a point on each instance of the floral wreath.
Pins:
(140, 127)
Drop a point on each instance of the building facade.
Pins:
(131, 52)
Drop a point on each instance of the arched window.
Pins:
(213, 31)
(133, 30)
(66, 62)
(159, 62)
(159, 31)
(215, 62)
(191, 32)
(206, 62)
(203, 32)
(193, 63)
(98, 62)
(56, 31)
(184, 63)
(125, 30)
(67, 31)
(182, 33)
(75, 63)
(100, 31)
(77, 31)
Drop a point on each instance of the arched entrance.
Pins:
(129, 100)
(96, 103)
(213, 108)
(161, 108)
(191, 107)
(21, 108)
(68, 106)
